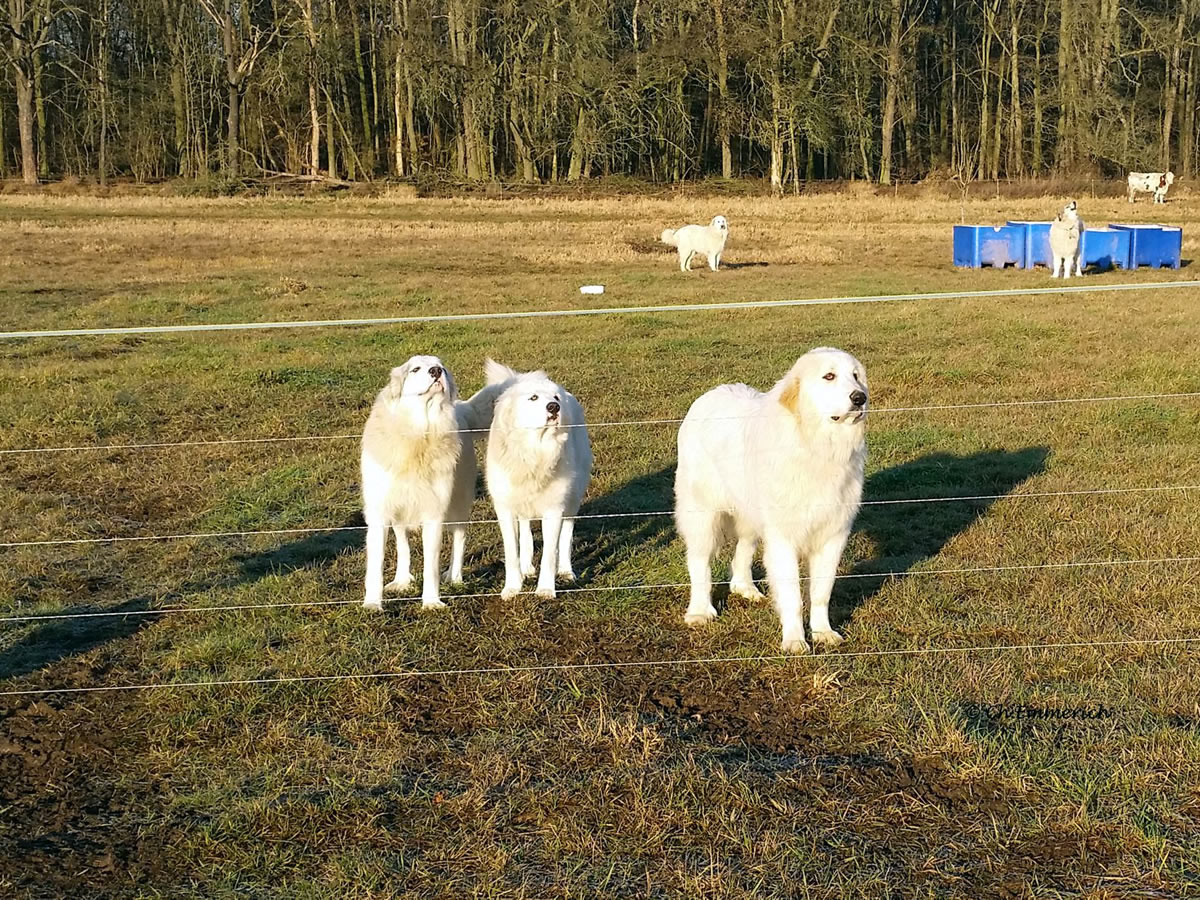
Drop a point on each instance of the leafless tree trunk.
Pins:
(891, 89)
(723, 110)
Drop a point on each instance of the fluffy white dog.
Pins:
(418, 469)
(1066, 242)
(692, 239)
(1155, 183)
(784, 467)
(539, 462)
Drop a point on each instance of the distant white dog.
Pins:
(692, 239)
(785, 467)
(539, 463)
(1155, 183)
(418, 469)
(1066, 242)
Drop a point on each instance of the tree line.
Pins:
(563, 90)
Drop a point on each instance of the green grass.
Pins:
(831, 776)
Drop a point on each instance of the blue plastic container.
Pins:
(989, 245)
(1153, 245)
(1037, 243)
(1105, 248)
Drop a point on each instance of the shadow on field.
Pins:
(906, 534)
(58, 639)
(318, 548)
(602, 544)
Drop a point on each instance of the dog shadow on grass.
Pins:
(50, 641)
(906, 534)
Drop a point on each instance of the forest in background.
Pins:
(564, 90)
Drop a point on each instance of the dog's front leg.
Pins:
(376, 543)
(512, 560)
(431, 548)
(526, 529)
(822, 569)
(783, 574)
(551, 529)
(565, 569)
(403, 579)
(458, 551)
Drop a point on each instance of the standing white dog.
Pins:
(1066, 242)
(692, 239)
(418, 469)
(539, 463)
(785, 467)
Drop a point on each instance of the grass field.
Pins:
(836, 775)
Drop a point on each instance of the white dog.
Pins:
(692, 239)
(539, 462)
(785, 467)
(418, 469)
(1155, 183)
(1066, 242)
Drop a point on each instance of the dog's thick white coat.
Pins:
(784, 468)
(539, 463)
(690, 240)
(1155, 183)
(418, 470)
(1066, 242)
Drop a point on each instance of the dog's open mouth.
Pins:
(852, 417)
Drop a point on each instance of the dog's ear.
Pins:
(451, 386)
(399, 375)
(789, 397)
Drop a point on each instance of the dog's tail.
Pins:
(495, 373)
(668, 237)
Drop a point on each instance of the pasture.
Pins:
(852, 773)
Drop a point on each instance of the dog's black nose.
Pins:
(552, 407)
(858, 398)
(435, 372)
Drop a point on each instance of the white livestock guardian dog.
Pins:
(1155, 183)
(692, 239)
(1066, 242)
(784, 467)
(418, 469)
(539, 463)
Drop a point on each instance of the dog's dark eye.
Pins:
(416, 369)
(534, 397)
(829, 376)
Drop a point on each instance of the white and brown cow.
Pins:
(1155, 183)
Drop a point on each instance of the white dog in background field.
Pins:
(784, 467)
(418, 469)
(692, 239)
(1066, 242)
(1155, 183)
(539, 462)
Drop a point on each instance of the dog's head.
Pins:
(535, 407)
(423, 376)
(1070, 211)
(828, 385)
(721, 224)
(1168, 179)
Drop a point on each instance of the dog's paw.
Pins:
(827, 639)
(432, 604)
(566, 574)
(703, 617)
(448, 578)
(545, 591)
(376, 605)
(794, 645)
(528, 570)
(509, 591)
(747, 590)
(398, 585)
